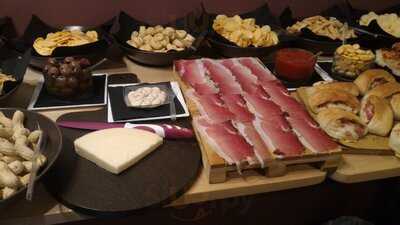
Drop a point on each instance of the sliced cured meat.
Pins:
(278, 136)
(222, 77)
(311, 136)
(260, 71)
(226, 141)
(237, 106)
(261, 106)
(211, 106)
(179, 66)
(243, 75)
(274, 87)
(193, 72)
(250, 134)
(205, 89)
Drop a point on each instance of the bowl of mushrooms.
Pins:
(157, 45)
(19, 135)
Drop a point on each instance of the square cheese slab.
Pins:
(116, 149)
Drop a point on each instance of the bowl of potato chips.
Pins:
(237, 36)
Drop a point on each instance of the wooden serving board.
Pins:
(369, 144)
(219, 171)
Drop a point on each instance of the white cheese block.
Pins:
(116, 149)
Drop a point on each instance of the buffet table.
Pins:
(355, 168)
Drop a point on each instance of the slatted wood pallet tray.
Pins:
(218, 170)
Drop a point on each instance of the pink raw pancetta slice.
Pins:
(226, 141)
(250, 134)
(260, 71)
(237, 106)
(312, 136)
(222, 77)
(278, 136)
(243, 75)
(261, 106)
(211, 107)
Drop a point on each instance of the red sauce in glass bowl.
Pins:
(294, 64)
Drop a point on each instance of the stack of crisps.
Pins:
(244, 32)
(46, 46)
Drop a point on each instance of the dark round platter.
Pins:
(155, 180)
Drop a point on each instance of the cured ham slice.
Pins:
(250, 134)
(179, 66)
(205, 89)
(211, 106)
(222, 77)
(261, 106)
(260, 71)
(312, 136)
(237, 106)
(192, 72)
(243, 75)
(277, 135)
(226, 141)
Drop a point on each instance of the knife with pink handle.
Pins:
(164, 130)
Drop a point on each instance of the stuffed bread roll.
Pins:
(395, 103)
(341, 125)
(372, 78)
(328, 98)
(340, 86)
(385, 90)
(377, 114)
(394, 139)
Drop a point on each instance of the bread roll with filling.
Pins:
(372, 78)
(395, 104)
(340, 86)
(394, 139)
(385, 90)
(329, 98)
(377, 114)
(341, 124)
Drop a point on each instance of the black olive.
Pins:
(60, 81)
(72, 82)
(52, 61)
(84, 62)
(76, 67)
(46, 69)
(69, 59)
(53, 71)
(65, 69)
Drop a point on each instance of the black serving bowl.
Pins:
(93, 51)
(52, 148)
(15, 64)
(195, 23)
(263, 16)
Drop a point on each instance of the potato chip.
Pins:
(65, 38)
(4, 78)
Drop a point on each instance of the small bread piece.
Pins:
(394, 139)
(329, 98)
(372, 78)
(340, 86)
(377, 114)
(385, 90)
(341, 124)
(395, 104)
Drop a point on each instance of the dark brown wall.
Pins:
(92, 12)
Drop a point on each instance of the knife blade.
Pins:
(164, 130)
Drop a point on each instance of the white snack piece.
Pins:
(147, 97)
(116, 149)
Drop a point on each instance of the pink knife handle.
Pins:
(173, 131)
(164, 130)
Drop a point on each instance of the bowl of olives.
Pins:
(69, 78)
